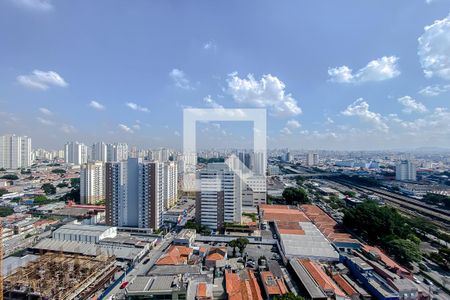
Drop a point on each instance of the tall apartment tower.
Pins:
(92, 182)
(75, 153)
(134, 193)
(116, 152)
(99, 152)
(312, 159)
(405, 170)
(219, 200)
(170, 184)
(15, 152)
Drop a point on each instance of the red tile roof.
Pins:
(282, 213)
(329, 227)
(175, 255)
(215, 253)
(202, 292)
(348, 289)
(320, 277)
(390, 263)
(273, 285)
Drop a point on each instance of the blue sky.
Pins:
(332, 74)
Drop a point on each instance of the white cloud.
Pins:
(136, 126)
(125, 128)
(293, 124)
(176, 133)
(434, 45)
(267, 92)
(411, 105)
(210, 45)
(379, 69)
(180, 80)
(96, 105)
(38, 5)
(209, 101)
(68, 128)
(286, 131)
(45, 121)
(360, 109)
(434, 90)
(137, 107)
(41, 80)
(45, 111)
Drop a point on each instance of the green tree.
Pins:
(233, 244)
(294, 196)
(10, 177)
(59, 171)
(405, 251)
(6, 211)
(41, 200)
(242, 243)
(75, 182)
(437, 199)
(376, 222)
(48, 188)
(349, 194)
(3, 192)
(288, 296)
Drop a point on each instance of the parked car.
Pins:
(124, 285)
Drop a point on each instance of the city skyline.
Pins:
(382, 84)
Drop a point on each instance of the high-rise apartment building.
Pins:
(92, 182)
(134, 193)
(75, 153)
(15, 152)
(405, 170)
(170, 184)
(219, 200)
(117, 152)
(100, 152)
(312, 159)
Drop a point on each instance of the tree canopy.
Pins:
(294, 196)
(386, 227)
(10, 177)
(48, 188)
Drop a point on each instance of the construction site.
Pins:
(59, 276)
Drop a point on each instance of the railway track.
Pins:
(407, 205)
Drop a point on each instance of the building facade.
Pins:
(134, 193)
(92, 183)
(405, 170)
(117, 152)
(219, 200)
(170, 184)
(75, 153)
(15, 152)
(99, 152)
(312, 159)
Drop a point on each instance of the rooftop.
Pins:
(273, 285)
(87, 249)
(175, 255)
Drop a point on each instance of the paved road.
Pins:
(141, 269)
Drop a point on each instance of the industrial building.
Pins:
(298, 236)
(59, 276)
(158, 287)
(84, 233)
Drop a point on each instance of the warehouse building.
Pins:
(84, 233)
